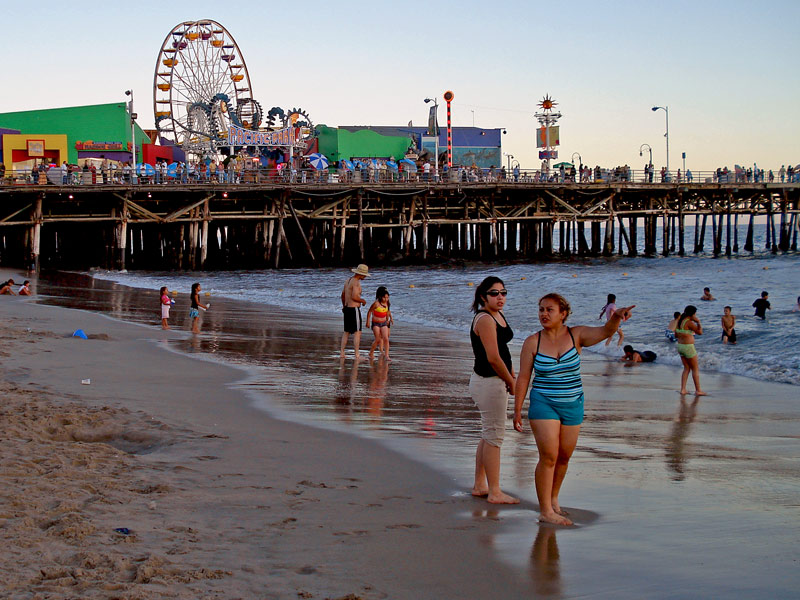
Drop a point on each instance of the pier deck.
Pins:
(205, 225)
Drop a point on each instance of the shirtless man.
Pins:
(707, 295)
(351, 308)
(728, 324)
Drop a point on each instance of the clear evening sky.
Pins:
(727, 70)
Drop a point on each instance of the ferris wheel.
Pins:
(200, 87)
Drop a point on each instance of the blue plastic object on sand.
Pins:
(80, 333)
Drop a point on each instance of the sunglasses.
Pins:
(496, 293)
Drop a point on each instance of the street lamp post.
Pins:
(666, 135)
(578, 154)
(436, 127)
(133, 136)
(650, 150)
(509, 157)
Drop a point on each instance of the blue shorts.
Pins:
(193, 313)
(541, 408)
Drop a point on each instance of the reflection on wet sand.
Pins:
(545, 567)
(347, 381)
(378, 374)
(676, 453)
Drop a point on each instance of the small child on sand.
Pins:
(194, 311)
(25, 288)
(166, 302)
(728, 324)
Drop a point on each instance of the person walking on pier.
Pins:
(491, 381)
(351, 309)
(688, 327)
(553, 357)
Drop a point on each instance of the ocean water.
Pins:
(440, 297)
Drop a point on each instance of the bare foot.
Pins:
(554, 518)
(371, 356)
(558, 510)
(683, 392)
(502, 498)
(700, 393)
(480, 492)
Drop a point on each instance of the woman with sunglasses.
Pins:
(553, 357)
(491, 382)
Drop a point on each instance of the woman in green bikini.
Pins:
(688, 327)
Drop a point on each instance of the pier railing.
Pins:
(122, 176)
(262, 219)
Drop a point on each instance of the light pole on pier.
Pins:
(666, 135)
(133, 116)
(650, 150)
(436, 133)
(580, 164)
(509, 157)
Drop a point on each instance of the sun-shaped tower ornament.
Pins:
(547, 136)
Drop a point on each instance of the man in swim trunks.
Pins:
(351, 308)
(728, 324)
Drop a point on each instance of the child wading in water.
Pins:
(608, 310)
(166, 302)
(194, 311)
(380, 318)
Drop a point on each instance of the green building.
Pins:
(95, 131)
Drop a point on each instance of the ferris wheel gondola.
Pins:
(201, 85)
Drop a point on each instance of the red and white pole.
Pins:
(448, 96)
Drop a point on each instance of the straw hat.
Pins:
(362, 270)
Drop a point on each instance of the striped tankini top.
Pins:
(557, 379)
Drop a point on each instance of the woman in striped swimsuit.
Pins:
(553, 357)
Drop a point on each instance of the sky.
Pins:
(727, 70)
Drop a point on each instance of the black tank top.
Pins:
(504, 335)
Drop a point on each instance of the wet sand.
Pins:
(672, 498)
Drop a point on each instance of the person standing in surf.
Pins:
(688, 327)
(553, 357)
(351, 309)
(491, 382)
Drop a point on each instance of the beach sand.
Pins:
(219, 500)
(672, 498)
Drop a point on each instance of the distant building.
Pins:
(70, 134)
(471, 145)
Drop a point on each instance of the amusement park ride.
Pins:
(202, 92)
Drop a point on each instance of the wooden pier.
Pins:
(273, 225)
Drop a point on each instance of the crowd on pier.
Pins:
(248, 170)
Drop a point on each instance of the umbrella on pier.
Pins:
(391, 164)
(410, 164)
(566, 165)
(145, 169)
(346, 164)
(318, 161)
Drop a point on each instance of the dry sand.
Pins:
(218, 500)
